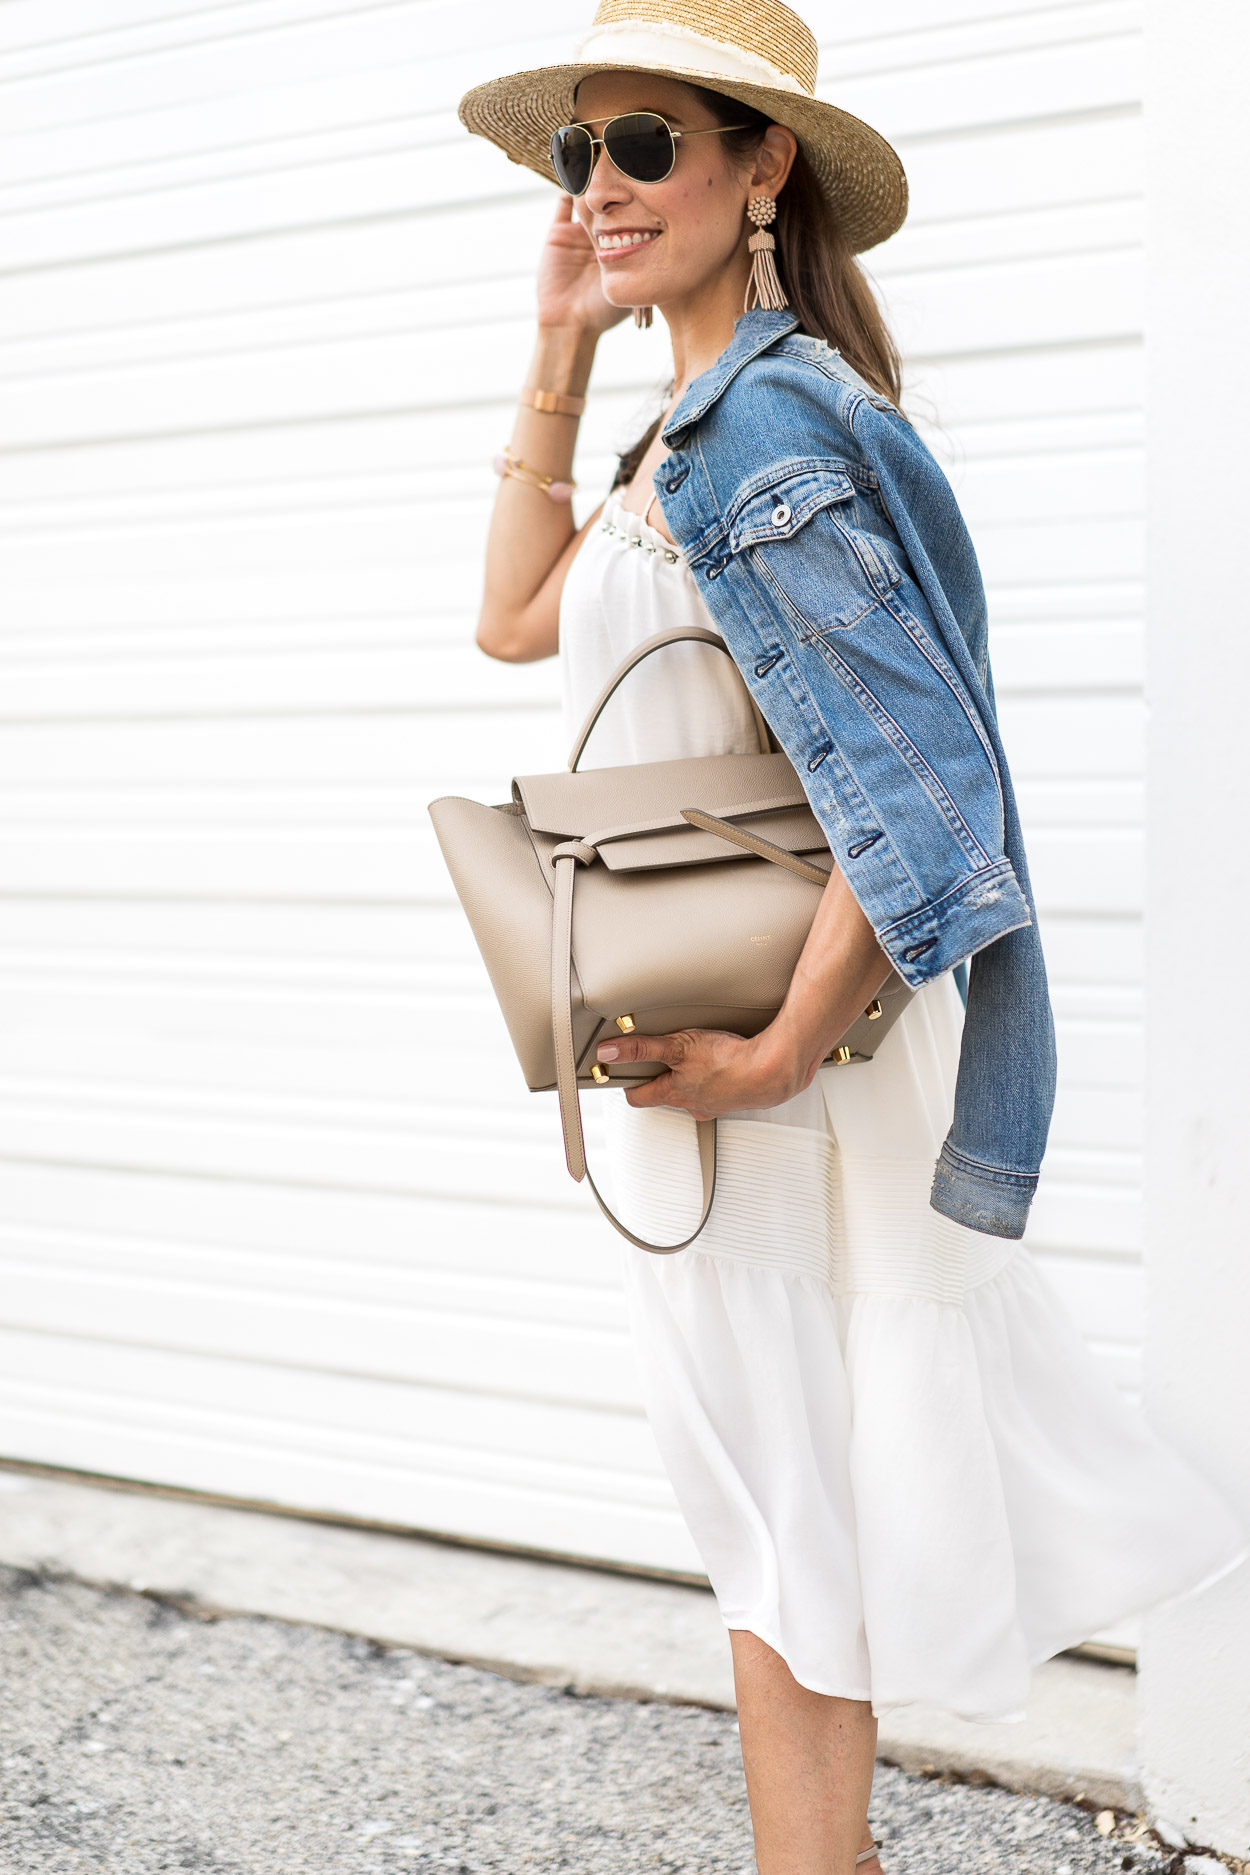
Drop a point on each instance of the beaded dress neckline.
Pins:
(621, 523)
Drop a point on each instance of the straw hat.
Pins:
(757, 51)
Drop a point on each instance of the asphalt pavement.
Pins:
(138, 1737)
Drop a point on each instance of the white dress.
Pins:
(900, 1465)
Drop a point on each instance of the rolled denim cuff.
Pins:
(986, 1198)
(976, 912)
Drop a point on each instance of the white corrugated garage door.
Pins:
(276, 1218)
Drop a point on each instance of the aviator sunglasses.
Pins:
(641, 146)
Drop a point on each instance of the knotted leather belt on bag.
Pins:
(644, 900)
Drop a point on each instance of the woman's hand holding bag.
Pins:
(712, 1072)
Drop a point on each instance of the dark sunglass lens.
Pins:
(640, 146)
(572, 158)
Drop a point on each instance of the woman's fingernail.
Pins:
(608, 1051)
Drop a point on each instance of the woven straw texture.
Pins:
(763, 27)
(855, 166)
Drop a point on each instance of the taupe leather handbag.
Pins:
(696, 885)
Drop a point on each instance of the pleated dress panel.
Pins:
(901, 1466)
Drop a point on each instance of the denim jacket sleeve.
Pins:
(833, 558)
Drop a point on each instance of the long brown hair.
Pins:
(827, 288)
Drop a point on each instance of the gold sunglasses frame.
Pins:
(600, 143)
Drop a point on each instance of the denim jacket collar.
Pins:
(754, 332)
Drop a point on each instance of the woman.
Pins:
(904, 1475)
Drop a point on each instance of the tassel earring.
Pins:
(764, 288)
(642, 316)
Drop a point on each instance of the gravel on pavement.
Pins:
(138, 1736)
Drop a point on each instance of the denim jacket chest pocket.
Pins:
(805, 537)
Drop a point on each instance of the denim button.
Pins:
(674, 482)
(781, 515)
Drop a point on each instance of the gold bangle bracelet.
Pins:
(506, 464)
(553, 403)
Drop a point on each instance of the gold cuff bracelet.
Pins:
(553, 403)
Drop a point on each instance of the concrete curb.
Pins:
(555, 1623)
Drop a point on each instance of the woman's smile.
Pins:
(616, 243)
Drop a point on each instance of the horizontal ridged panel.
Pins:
(277, 1216)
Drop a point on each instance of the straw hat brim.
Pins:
(861, 176)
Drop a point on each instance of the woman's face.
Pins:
(689, 228)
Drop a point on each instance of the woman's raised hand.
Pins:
(569, 293)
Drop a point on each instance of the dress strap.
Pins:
(646, 513)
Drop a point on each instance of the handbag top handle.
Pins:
(562, 952)
(679, 634)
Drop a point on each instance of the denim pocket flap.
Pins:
(787, 505)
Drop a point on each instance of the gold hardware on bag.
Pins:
(841, 1056)
(599, 1074)
(873, 1010)
(625, 1024)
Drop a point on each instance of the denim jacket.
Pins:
(835, 563)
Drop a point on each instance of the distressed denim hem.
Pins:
(929, 942)
(985, 1198)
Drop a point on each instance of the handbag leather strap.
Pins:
(755, 843)
(694, 634)
(566, 860)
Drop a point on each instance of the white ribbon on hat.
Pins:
(672, 47)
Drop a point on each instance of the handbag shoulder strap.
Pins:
(693, 634)
(567, 858)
